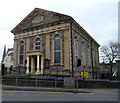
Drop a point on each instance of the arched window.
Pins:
(37, 43)
(57, 49)
(21, 52)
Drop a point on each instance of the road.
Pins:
(95, 95)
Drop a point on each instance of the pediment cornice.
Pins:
(39, 17)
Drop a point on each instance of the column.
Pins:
(27, 71)
(38, 65)
(42, 64)
(32, 64)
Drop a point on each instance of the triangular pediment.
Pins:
(39, 17)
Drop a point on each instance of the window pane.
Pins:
(21, 59)
(57, 37)
(21, 52)
(57, 41)
(37, 43)
(57, 49)
(57, 44)
(21, 49)
(57, 57)
(37, 47)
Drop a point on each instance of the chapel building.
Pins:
(50, 42)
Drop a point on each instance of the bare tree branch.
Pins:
(110, 51)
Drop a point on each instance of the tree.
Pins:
(110, 52)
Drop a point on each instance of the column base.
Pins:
(27, 72)
(32, 72)
(41, 71)
(38, 72)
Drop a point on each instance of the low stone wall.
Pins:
(98, 84)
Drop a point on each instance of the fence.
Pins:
(33, 81)
(58, 82)
(58, 72)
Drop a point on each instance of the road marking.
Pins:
(15, 91)
(87, 93)
(43, 92)
(34, 91)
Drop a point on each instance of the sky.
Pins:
(98, 17)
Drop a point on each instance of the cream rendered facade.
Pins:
(8, 58)
(75, 43)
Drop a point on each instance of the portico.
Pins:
(35, 62)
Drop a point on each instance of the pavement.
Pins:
(18, 93)
(26, 88)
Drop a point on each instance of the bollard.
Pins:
(36, 83)
(76, 85)
(55, 83)
(16, 82)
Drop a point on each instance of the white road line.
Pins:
(43, 92)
